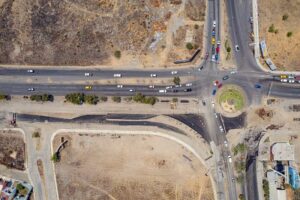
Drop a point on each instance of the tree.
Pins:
(272, 28)
(117, 54)
(196, 26)
(91, 99)
(285, 17)
(176, 80)
(75, 98)
(116, 99)
(175, 100)
(103, 99)
(41, 97)
(36, 134)
(189, 46)
(228, 49)
(4, 96)
(140, 98)
(241, 197)
(289, 34)
(55, 157)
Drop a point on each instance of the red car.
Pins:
(220, 85)
(218, 49)
(216, 83)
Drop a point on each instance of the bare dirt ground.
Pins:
(12, 149)
(89, 32)
(284, 51)
(104, 166)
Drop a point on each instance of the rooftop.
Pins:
(283, 151)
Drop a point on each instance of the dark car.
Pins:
(214, 91)
(225, 77)
(188, 90)
(175, 91)
(203, 103)
(257, 86)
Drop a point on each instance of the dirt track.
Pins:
(129, 167)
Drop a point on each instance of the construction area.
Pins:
(12, 149)
(128, 167)
(100, 32)
(279, 26)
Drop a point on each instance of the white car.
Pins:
(131, 90)
(153, 75)
(162, 91)
(237, 48)
(117, 75)
(119, 86)
(218, 42)
(30, 89)
(177, 86)
(30, 71)
(226, 143)
(221, 129)
(169, 87)
(214, 23)
(216, 115)
(174, 72)
(284, 80)
(213, 57)
(213, 104)
(229, 159)
(151, 86)
(189, 84)
(291, 81)
(233, 72)
(87, 74)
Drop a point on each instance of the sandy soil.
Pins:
(12, 149)
(284, 51)
(89, 32)
(105, 166)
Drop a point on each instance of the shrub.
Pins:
(4, 97)
(228, 49)
(91, 99)
(276, 31)
(103, 99)
(75, 98)
(116, 99)
(285, 17)
(176, 80)
(266, 189)
(289, 34)
(36, 134)
(55, 157)
(272, 28)
(196, 26)
(139, 97)
(42, 97)
(241, 197)
(189, 46)
(175, 100)
(117, 54)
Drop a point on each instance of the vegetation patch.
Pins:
(231, 100)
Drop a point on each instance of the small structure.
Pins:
(263, 49)
(283, 151)
(276, 186)
(271, 64)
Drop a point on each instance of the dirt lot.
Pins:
(89, 32)
(284, 51)
(12, 149)
(103, 166)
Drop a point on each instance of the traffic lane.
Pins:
(284, 90)
(99, 73)
(22, 89)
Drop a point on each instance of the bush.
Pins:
(42, 97)
(4, 97)
(272, 28)
(196, 26)
(117, 54)
(266, 189)
(139, 97)
(239, 148)
(91, 99)
(103, 99)
(228, 49)
(55, 157)
(36, 134)
(176, 80)
(175, 100)
(128, 99)
(285, 17)
(75, 98)
(289, 34)
(241, 197)
(276, 31)
(117, 99)
(189, 46)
